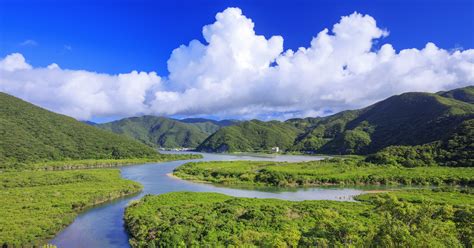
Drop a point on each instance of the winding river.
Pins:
(103, 225)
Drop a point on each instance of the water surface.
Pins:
(103, 225)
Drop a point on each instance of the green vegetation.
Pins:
(408, 119)
(158, 131)
(465, 94)
(324, 172)
(216, 220)
(455, 151)
(456, 196)
(165, 132)
(98, 163)
(251, 136)
(35, 205)
(32, 137)
(29, 134)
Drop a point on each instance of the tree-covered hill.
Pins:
(166, 132)
(250, 136)
(408, 119)
(31, 134)
(158, 131)
(465, 94)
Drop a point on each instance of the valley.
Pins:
(409, 153)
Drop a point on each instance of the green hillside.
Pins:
(31, 134)
(408, 119)
(161, 131)
(465, 94)
(251, 136)
(207, 125)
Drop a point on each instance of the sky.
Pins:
(104, 60)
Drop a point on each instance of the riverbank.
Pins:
(35, 205)
(97, 163)
(321, 173)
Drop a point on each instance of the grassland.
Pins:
(381, 220)
(35, 205)
(324, 172)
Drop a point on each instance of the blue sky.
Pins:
(84, 53)
(121, 36)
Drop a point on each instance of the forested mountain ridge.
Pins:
(465, 94)
(166, 132)
(29, 133)
(157, 131)
(251, 135)
(407, 119)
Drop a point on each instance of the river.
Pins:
(103, 225)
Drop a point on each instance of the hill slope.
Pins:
(465, 94)
(207, 125)
(158, 131)
(251, 136)
(31, 134)
(406, 119)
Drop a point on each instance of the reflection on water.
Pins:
(103, 226)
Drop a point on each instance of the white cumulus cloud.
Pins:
(238, 72)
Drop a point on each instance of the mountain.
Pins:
(207, 125)
(159, 131)
(31, 134)
(166, 132)
(408, 119)
(465, 94)
(90, 123)
(221, 123)
(251, 136)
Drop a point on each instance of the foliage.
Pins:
(465, 94)
(251, 136)
(96, 163)
(216, 220)
(35, 205)
(325, 172)
(161, 131)
(31, 134)
(408, 119)
(455, 151)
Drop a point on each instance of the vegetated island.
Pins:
(335, 171)
(36, 201)
(423, 219)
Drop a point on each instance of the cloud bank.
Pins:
(238, 72)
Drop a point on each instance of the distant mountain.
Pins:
(465, 94)
(166, 132)
(251, 135)
(158, 131)
(406, 119)
(31, 134)
(221, 123)
(90, 123)
(207, 125)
